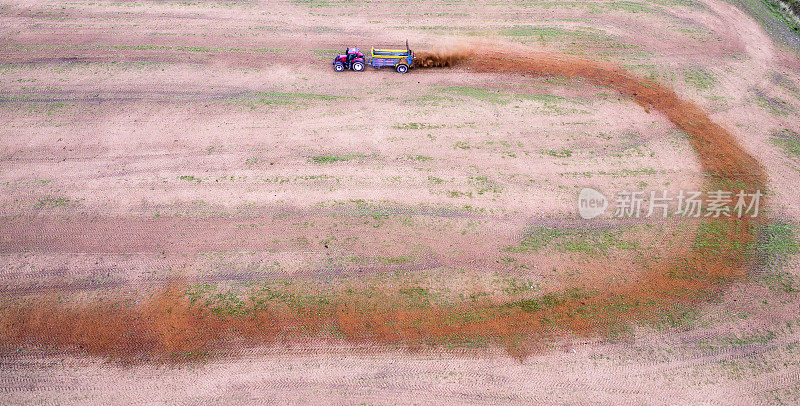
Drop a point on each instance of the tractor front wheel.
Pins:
(358, 66)
(338, 67)
(402, 68)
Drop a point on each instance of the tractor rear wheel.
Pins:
(402, 68)
(338, 67)
(358, 66)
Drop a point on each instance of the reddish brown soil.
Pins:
(167, 327)
(719, 153)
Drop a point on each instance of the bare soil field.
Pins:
(196, 208)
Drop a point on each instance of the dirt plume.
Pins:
(444, 56)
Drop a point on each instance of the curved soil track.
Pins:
(168, 325)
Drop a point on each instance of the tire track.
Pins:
(362, 319)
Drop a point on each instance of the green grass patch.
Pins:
(416, 126)
(193, 49)
(483, 184)
(575, 39)
(623, 173)
(480, 93)
(419, 158)
(550, 300)
(190, 178)
(777, 243)
(257, 99)
(253, 161)
(430, 100)
(699, 78)
(330, 159)
(50, 201)
(559, 153)
(780, 239)
(275, 95)
(550, 104)
(774, 105)
(788, 141)
(629, 7)
(536, 304)
(317, 3)
(721, 239)
(585, 241)
(537, 31)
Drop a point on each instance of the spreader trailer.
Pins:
(400, 59)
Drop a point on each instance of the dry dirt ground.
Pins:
(144, 141)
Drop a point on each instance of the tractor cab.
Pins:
(352, 58)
